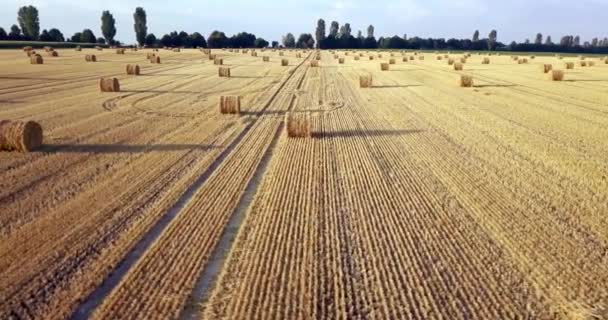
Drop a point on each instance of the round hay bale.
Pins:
(569, 65)
(230, 104)
(28, 48)
(466, 81)
(224, 72)
(384, 66)
(30, 53)
(109, 85)
(20, 136)
(298, 125)
(266, 58)
(485, 61)
(78, 48)
(133, 69)
(314, 64)
(36, 59)
(218, 61)
(365, 81)
(341, 60)
(155, 59)
(458, 66)
(53, 53)
(392, 61)
(90, 58)
(546, 68)
(284, 62)
(556, 75)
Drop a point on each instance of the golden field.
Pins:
(414, 198)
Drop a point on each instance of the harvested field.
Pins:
(311, 194)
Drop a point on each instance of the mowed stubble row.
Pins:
(414, 198)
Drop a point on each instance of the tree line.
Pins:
(338, 37)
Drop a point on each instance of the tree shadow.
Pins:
(10, 101)
(152, 74)
(365, 133)
(160, 91)
(258, 113)
(585, 80)
(32, 78)
(120, 148)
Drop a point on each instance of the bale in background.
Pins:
(224, 72)
(365, 81)
(254, 54)
(590, 63)
(583, 63)
(36, 59)
(28, 48)
(314, 64)
(155, 59)
(357, 58)
(176, 50)
(281, 54)
(392, 61)
(466, 81)
(120, 51)
(547, 68)
(557, 75)
(90, 58)
(53, 53)
(341, 60)
(404, 59)
(78, 48)
(371, 57)
(212, 57)
(463, 60)
(230, 104)
(421, 58)
(218, 61)
(20, 136)
(458, 66)
(109, 85)
(412, 58)
(384, 66)
(298, 55)
(485, 61)
(266, 58)
(522, 61)
(133, 69)
(569, 65)
(284, 62)
(30, 53)
(298, 125)
(149, 55)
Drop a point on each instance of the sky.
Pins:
(513, 19)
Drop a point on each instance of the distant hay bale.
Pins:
(298, 125)
(371, 57)
(463, 60)
(98, 48)
(391, 61)
(120, 51)
(466, 81)
(78, 48)
(281, 54)
(341, 60)
(522, 61)
(380, 56)
(266, 58)
(36, 59)
(412, 58)
(284, 62)
(224, 72)
(485, 61)
(230, 104)
(20, 136)
(30, 53)
(590, 63)
(133, 69)
(218, 61)
(404, 59)
(48, 49)
(53, 53)
(155, 59)
(451, 61)
(458, 66)
(298, 55)
(569, 65)
(439, 58)
(583, 63)
(212, 57)
(546, 68)
(314, 63)
(149, 55)
(336, 56)
(177, 50)
(254, 54)
(357, 58)
(421, 57)
(384, 66)
(27, 48)
(532, 57)
(557, 75)
(365, 81)
(109, 85)
(90, 58)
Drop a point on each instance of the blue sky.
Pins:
(514, 19)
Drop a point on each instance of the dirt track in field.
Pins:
(413, 199)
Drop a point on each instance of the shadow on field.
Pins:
(160, 91)
(396, 86)
(495, 85)
(257, 113)
(120, 148)
(365, 133)
(246, 77)
(586, 80)
(32, 78)
(10, 101)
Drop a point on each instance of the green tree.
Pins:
(76, 37)
(370, 31)
(3, 35)
(15, 33)
(197, 40)
(289, 41)
(476, 36)
(539, 39)
(548, 41)
(150, 40)
(492, 40)
(345, 31)
(56, 35)
(334, 29)
(29, 22)
(217, 39)
(108, 26)
(260, 43)
(305, 41)
(275, 44)
(140, 25)
(320, 32)
(44, 36)
(87, 36)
